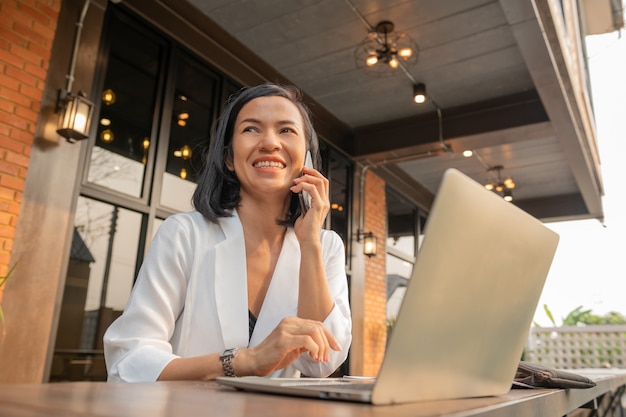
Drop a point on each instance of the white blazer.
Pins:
(190, 299)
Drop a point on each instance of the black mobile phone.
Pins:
(305, 198)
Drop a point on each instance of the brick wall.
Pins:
(27, 30)
(375, 331)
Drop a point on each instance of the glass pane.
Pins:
(120, 154)
(111, 235)
(401, 222)
(192, 115)
(339, 178)
(401, 246)
(398, 273)
(99, 278)
(397, 266)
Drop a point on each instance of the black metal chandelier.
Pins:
(502, 187)
(384, 51)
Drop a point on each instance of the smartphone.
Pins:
(305, 198)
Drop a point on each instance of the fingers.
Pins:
(316, 185)
(292, 337)
(310, 335)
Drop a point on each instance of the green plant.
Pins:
(578, 316)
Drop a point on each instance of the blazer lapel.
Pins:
(231, 287)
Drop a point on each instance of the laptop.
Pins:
(467, 310)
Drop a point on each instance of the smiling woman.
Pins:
(247, 284)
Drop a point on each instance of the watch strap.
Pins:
(227, 361)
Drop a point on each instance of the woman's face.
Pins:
(269, 145)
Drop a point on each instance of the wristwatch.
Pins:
(227, 361)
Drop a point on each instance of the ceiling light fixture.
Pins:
(503, 188)
(108, 97)
(419, 93)
(384, 50)
(395, 49)
(184, 152)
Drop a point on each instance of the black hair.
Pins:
(217, 193)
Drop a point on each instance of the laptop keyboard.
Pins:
(352, 384)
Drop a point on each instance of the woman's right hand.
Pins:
(292, 337)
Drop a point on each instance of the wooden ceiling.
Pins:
(495, 73)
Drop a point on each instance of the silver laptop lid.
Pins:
(468, 308)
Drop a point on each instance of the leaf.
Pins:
(4, 278)
(549, 314)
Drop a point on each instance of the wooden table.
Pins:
(189, 399)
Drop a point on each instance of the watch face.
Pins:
(229, 352)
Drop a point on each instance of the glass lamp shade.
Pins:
(369, 244)
(75, 118)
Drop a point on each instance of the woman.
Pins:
(246, 284)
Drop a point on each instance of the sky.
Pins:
(589, 268)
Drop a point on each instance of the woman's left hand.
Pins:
(310, 224)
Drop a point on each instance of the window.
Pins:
(339, 173)
(405, 230)
(154, 115)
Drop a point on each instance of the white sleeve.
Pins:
(137, 345)
(339, 320)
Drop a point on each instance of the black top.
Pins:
(251, 323)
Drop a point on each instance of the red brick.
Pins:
(7, 106)
(5, 218)
(14, 14)
(9, 168)
(26, 113)
(8, 243)
(36, 15)
(36, 71)
(5, 21)
(10, 86)
(25, 54)
(32, 92)
(46, 31)
(15, 97)
(12, 182)
(22, 136)
(17, 160)
(11, 120)
(14, 207)
(36, 106)
(4, 259)
(52, 11)
(7, 231)
(13, 36)
(11, 59)
(8, 3)
(31, 128)
(7, 194)
(20, 75)
(27, 34)
(42, 51)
